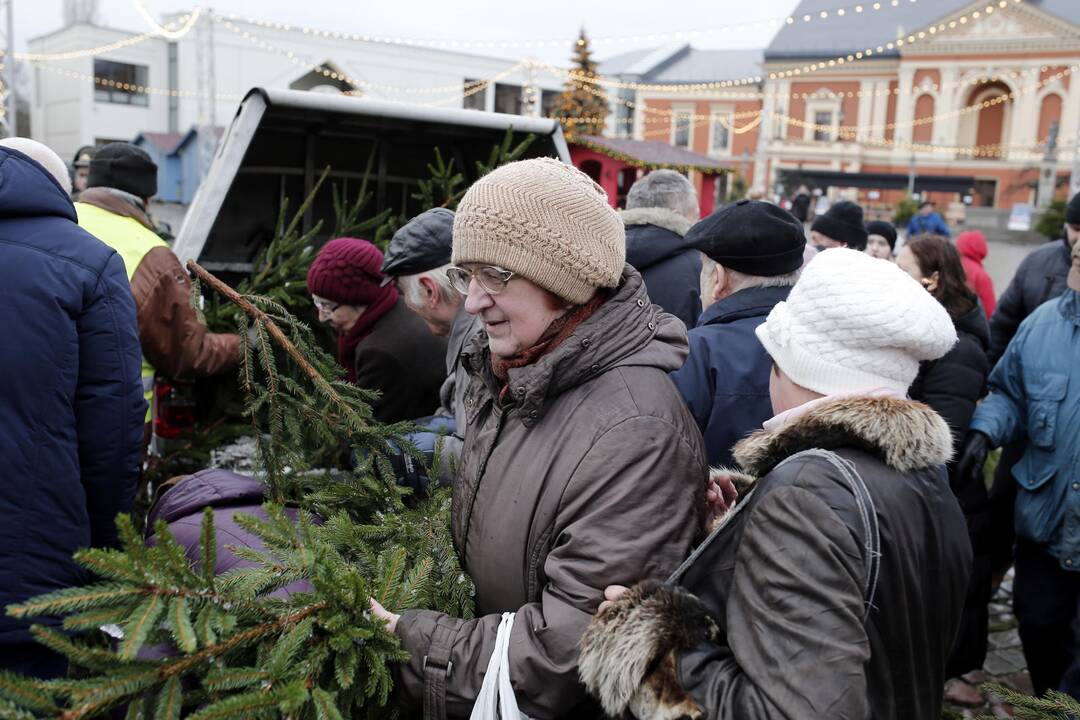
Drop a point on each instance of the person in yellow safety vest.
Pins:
(113, 209)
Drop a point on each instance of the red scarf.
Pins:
(347, 342)
(553, 337)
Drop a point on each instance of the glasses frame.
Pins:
(325, 306)
(458, 274)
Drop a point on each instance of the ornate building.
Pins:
(960, 98)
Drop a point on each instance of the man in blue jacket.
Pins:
(71, 406)
(927, 220)
(1035, 397)
(751, 255)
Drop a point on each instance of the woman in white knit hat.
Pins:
(833, 589)
(581, 464)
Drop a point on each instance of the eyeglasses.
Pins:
(491, 278)
(325, 306)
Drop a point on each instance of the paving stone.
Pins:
(1007, 639)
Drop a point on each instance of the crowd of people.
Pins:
(714, 469)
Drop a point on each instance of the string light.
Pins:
(132, 87)
(471, 88)
(166, 32)
(651, 38)
(186, 24)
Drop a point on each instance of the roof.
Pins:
(854, 32)
(163, 142)
(650, 153)
(685, 64)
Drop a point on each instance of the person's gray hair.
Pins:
(410, 286)
(741, 281)
(664, 189)
(44, 156)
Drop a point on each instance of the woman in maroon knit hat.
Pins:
(381, 344)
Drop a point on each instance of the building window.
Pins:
(548, 98)
(116, 82)
(508, 99)
(720, 124)
(823, 118)
(681, 122)
(475, 99)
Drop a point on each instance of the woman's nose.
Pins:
(478, 299)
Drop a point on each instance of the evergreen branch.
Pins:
(13, 688)
(75, 599)
(170, 701)
(320, 382)
(141, 623)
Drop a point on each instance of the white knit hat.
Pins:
(854, 323)
(546, 221)
(44, 155)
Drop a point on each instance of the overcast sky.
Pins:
(476, 20)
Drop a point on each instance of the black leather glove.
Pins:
(973, 456)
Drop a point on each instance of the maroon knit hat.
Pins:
(346, 270)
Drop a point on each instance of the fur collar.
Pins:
(661, 217)
(904, 434)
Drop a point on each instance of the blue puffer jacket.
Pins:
(725, 381)
(71, 405)
(1035, 396)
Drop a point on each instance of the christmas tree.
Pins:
(230, 651)
(582, 106)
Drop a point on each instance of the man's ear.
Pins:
(720, 278)
(431, 291)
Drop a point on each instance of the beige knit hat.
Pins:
(546, 221)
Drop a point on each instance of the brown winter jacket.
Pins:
(592, 473)
(174, 339)
(833, 591)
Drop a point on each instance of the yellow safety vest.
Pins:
(132, 241)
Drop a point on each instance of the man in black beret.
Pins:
(840, 226)
(752, 252)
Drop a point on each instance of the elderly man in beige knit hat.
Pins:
(581, 464)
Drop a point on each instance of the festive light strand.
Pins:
(186, 23)
(167, 32)
(652, 38)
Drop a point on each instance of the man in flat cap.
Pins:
(752, 252)
(416, 261)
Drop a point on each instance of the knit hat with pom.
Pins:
(545, 221)
(346, 270)
(853, 324)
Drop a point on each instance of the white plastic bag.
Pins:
(496, 700)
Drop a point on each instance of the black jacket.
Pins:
(671, 268)
(804, 606)
(1040, 277)
(403, 361)
(953, 386)
(725, 381)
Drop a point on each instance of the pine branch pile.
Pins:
(1052, 706)
(187, 643)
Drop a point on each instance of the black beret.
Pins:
(884, 229)
(842, 222)
(423, 243)
(1072, 211)
(125, 167)
(752, 237)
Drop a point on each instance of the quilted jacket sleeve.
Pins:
(109, 405)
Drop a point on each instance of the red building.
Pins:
(616, 163)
